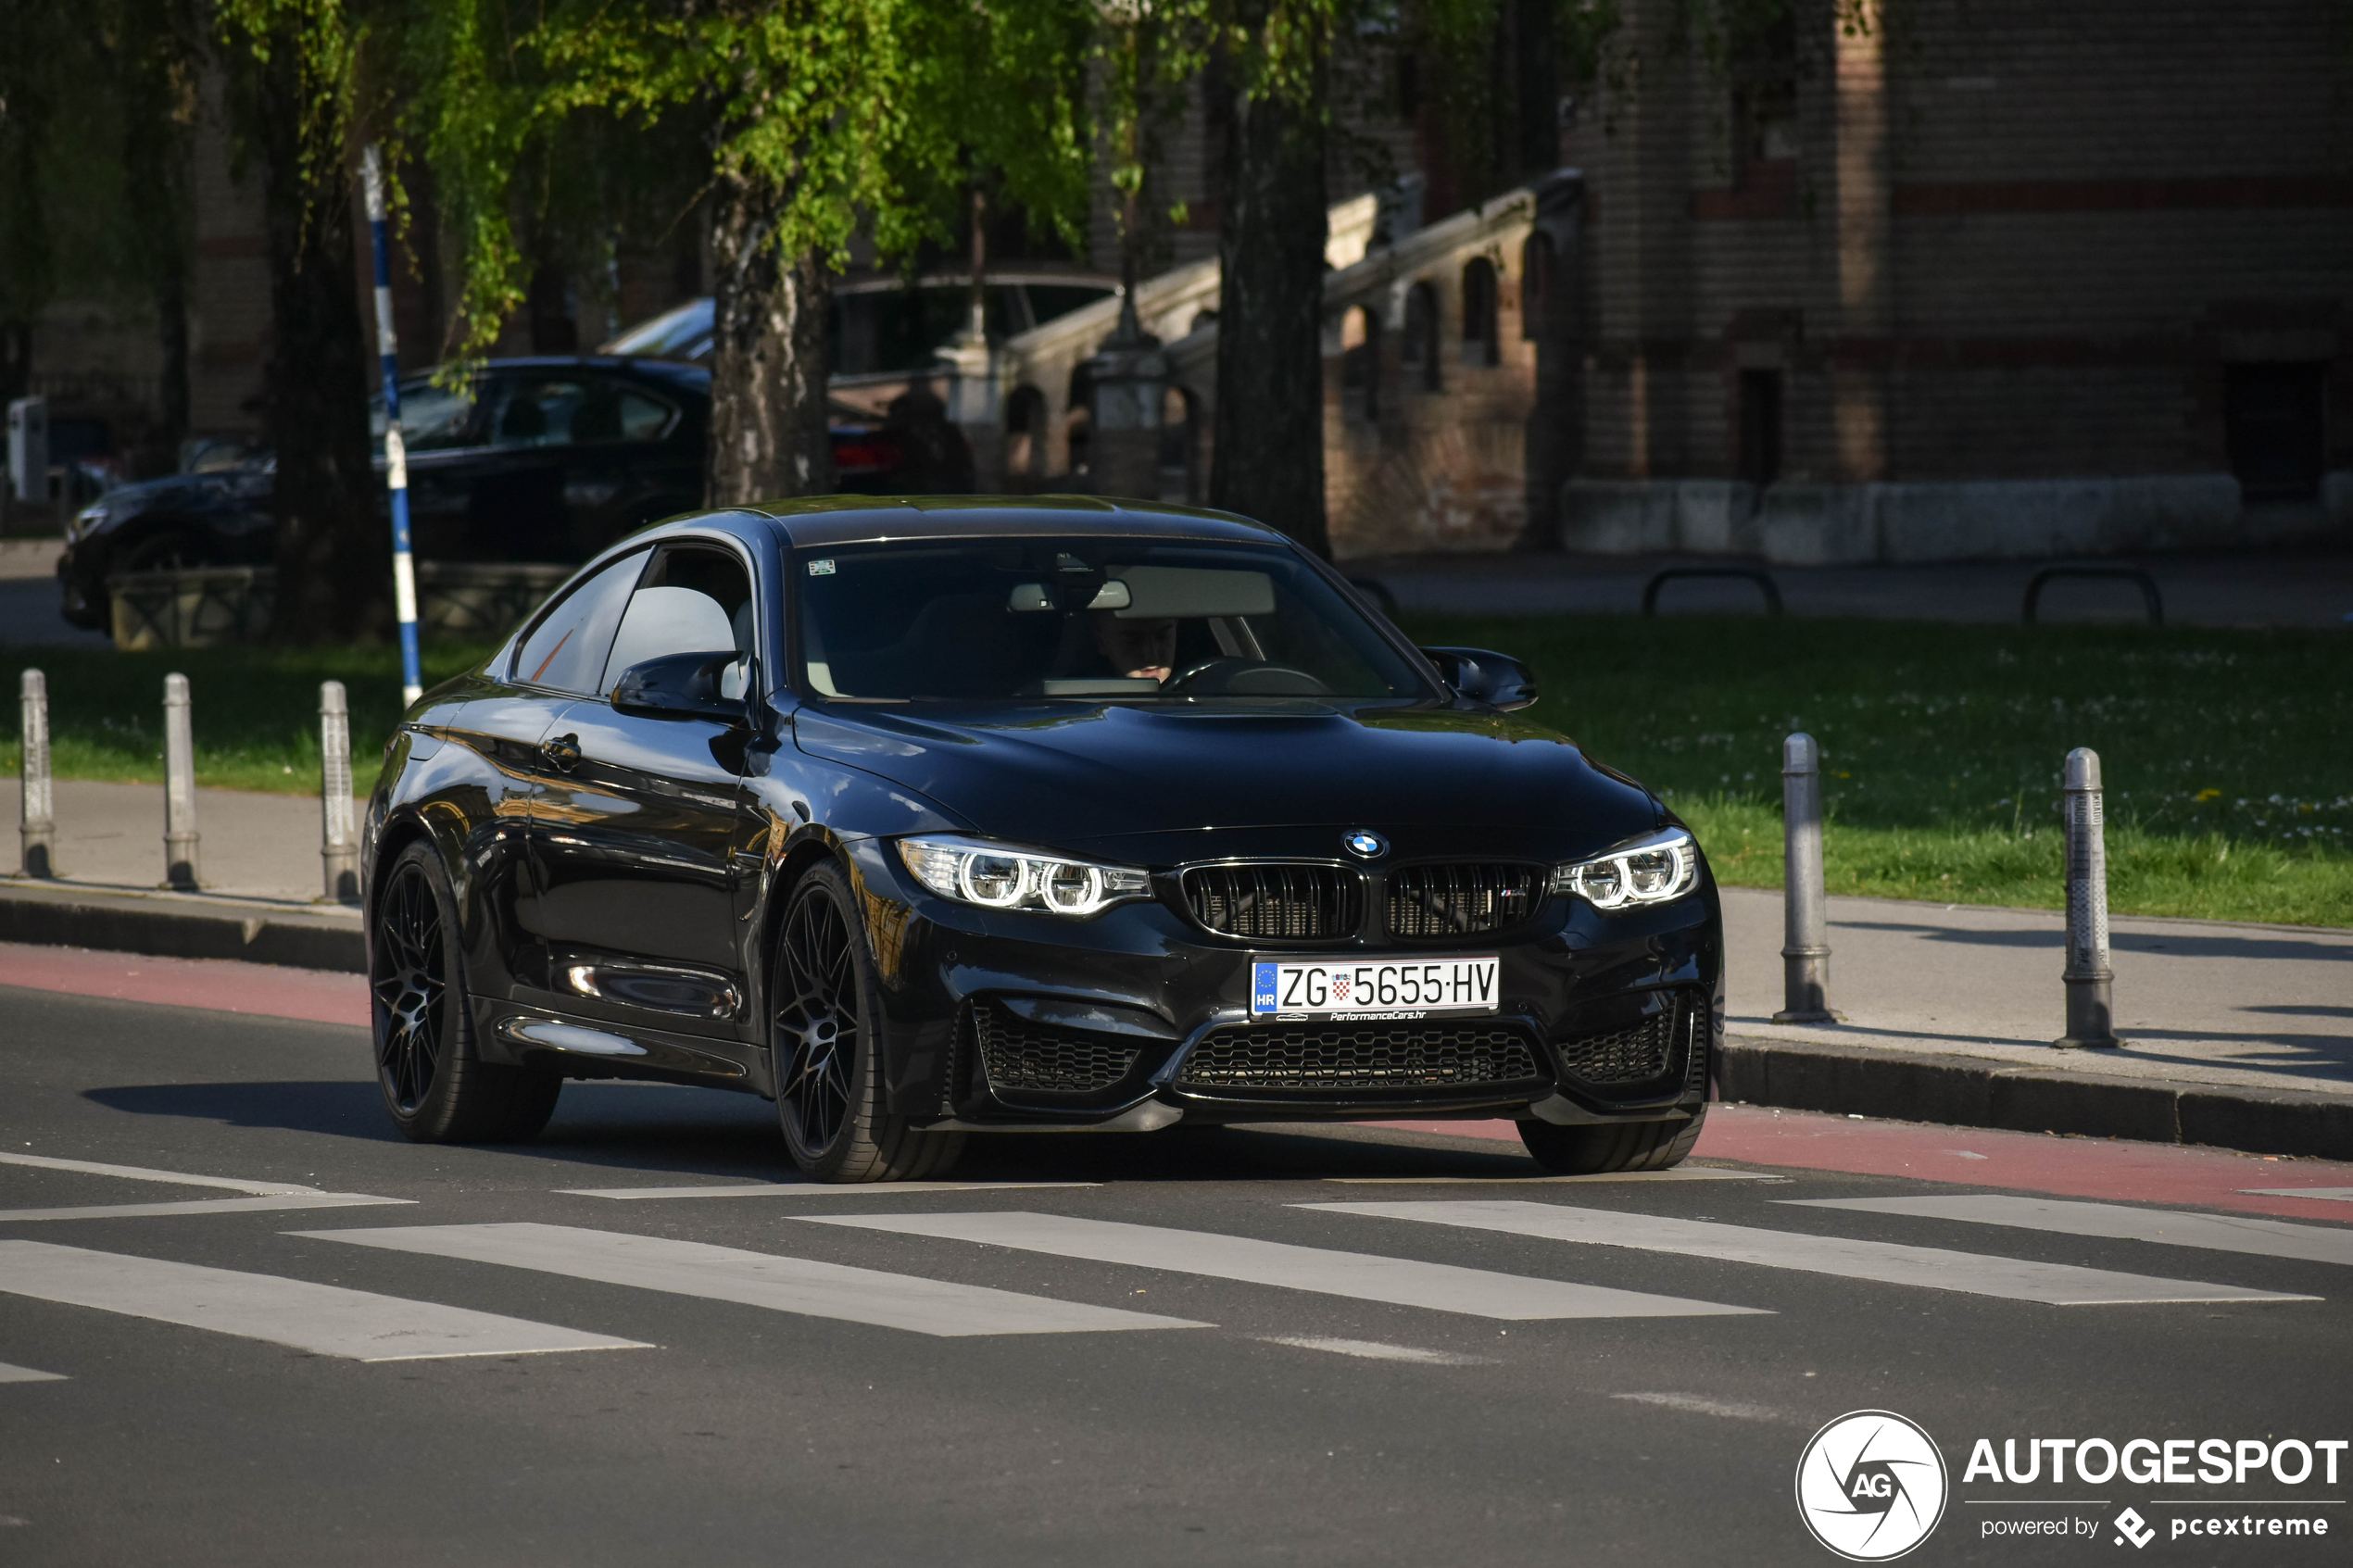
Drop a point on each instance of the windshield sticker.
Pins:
(821, 569)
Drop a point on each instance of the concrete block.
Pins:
(1616, 517)
(1715, 516)
(1818, 524)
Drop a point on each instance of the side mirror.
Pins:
(680, 686)
(1496, 679)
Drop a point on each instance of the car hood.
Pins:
(1150, 783)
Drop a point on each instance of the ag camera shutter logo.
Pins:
(1872, 1485)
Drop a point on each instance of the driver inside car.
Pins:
(1140, 650)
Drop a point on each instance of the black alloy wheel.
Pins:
(830, 1097)
(435, 1086)
(412, 970)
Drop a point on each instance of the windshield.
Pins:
(1156, 619)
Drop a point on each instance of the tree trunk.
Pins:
(1269, 451)
(769, 358)
(334, 549)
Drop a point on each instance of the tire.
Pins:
(436, 1086)
(1612, 1147)
(826, 1050)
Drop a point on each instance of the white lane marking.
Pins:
(1680, 1174)
(26, 1374)
(2015, 1279)
(1403, 1281)
(2174, 1227)
(141, 1174)
(200, 1206)
(2334, 1195)
(1700, 1405)
(326, 1319)
(757, 1279)
(814, 1189)
(1374, 1350)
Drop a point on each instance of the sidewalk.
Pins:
(256, 857)
(28, 598)
(2309, 588)
(2240, 1035)
(2266, 1006)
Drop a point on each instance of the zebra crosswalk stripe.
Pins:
(200, 1206)
(756, 1279)
(1886, 1262)
(1403, 1281)
(27, 1374)
(2172, 1227)
(326, 1319)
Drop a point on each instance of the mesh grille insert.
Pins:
(1360, 1056)
(1640, 1051)
(1024, 1057)
(1297, 901)
(1452, 900)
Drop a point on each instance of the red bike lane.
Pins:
(2111, 1169)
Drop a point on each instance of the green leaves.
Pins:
(840, 111)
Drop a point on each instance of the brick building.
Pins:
(1993, 278)
(1982, 278)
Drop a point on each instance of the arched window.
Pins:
(1538, 284)
(1359, 365)
(1479, 346)
(1417, 355)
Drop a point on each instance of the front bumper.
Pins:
(994, 1020)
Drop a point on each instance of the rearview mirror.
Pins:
(684, 685)
(1496, 679)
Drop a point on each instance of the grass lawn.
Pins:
(254, 711)
(2228, 755)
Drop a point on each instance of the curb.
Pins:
(182, 927)
(1985, 1092)
(1857, 1080)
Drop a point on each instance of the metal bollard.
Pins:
(38, 832)
(2090, 1008)
(1806, 951)
(179, 788)
(338, 847)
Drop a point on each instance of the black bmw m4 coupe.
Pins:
(934, 818)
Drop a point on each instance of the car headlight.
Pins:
(85, 520)
(972, 870)
(1657, 869)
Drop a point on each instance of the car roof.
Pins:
(669, 372)
(821, 520)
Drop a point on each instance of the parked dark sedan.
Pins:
(955, 816)
(544, 459)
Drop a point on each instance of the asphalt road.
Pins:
(1191, 1356)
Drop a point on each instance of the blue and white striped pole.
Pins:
(404, 567)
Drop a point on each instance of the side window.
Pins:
(567, 648)
(431, 418)
(538, 413)
(695, 599)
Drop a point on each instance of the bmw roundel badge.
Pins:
(1366, 844)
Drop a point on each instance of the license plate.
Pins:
(1353, 988)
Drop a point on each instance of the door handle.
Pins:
(562, 751)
